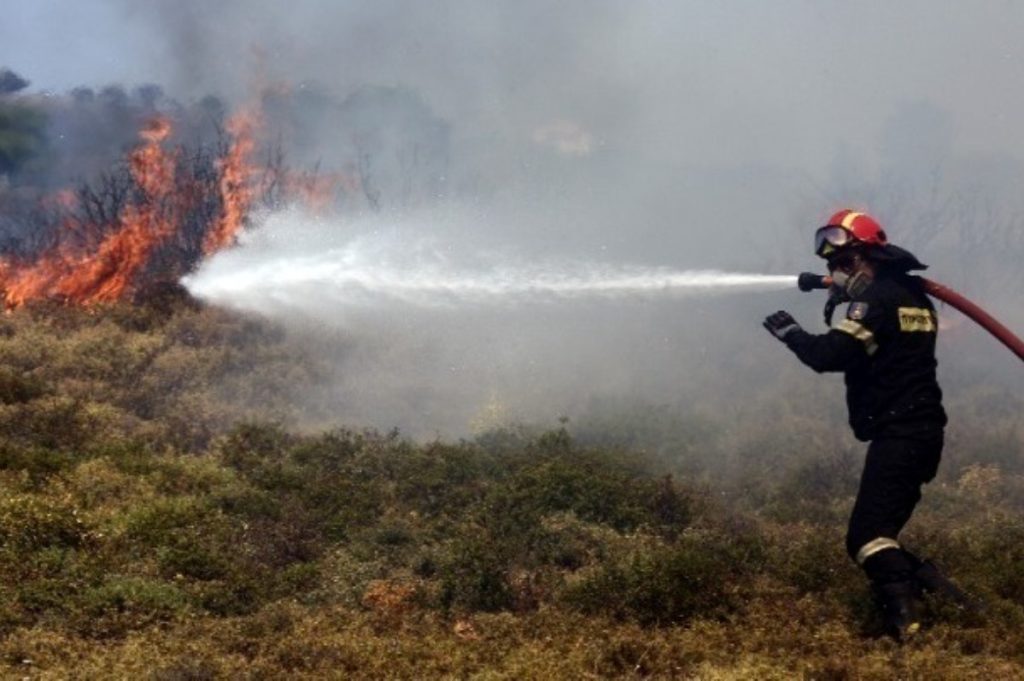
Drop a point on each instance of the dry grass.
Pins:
(150, 528)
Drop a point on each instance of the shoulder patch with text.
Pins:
(917, 319)
(857, 311)
(860, 332)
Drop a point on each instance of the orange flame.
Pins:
(63, 199)
(22, 284)
(236, 187)
(107, 273)
(314, 191)
(109, 267)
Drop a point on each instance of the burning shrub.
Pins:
(151, 218)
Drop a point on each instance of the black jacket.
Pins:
(886, 348)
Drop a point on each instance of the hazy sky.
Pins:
(781, 82)
(735, 126)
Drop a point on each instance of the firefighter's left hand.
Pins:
(781, 324)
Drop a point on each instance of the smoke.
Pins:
(506, 159)
(643, 128)
(439, 331)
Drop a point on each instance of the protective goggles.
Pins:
(830, 238)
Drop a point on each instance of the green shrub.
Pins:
(169, 522)
(809, 489)
(38, 463)
(656, 583)
(251, 447)
(30, 522)
(189, 669)
(48, 422)
(296, 536)
(474, 576)
(146, 496)
(672, 435)
(241, 595)
(122, 603)
(38, 596)
(440, 480)
(331, 452)
(597, 486)
(574, 484)
(16, 388)
(812, 559)
(245, 502)
(192, 561)
(197, 476)
(104, 353)
(997, 552)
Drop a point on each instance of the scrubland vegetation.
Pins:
(161, 518)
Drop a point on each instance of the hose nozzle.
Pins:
(809, 281)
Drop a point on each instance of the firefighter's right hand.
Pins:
(781, 324)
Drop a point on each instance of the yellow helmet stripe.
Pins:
(848, 220)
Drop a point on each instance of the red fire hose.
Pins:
(947, 295)
(987, 321)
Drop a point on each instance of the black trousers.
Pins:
(890, 487)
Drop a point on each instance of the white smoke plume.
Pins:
(427, 328)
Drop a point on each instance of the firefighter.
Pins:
(885, 347)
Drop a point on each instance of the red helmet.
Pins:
(848, 228)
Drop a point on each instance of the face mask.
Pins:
(854, 284)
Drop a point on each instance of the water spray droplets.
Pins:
(375, 271)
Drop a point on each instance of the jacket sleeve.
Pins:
(852, 341)
(833, 351)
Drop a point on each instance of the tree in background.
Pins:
(960, 211)
(387, 138)
(22, 126)
(11, 82)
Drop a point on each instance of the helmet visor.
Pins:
(830, 238)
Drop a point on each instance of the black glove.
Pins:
(781, 324)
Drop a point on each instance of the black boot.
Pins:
(901, 608)
(930, 578)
